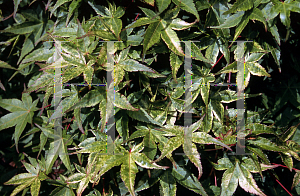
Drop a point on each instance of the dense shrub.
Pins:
(151, 39)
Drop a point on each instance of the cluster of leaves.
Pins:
(149, 100)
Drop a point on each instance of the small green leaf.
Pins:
(73, 6)
(152, 35)
(287, 160)
(171, 39)
(289, 133)
(189, 6)
(175, 63)
(296, 179)
(58, 4)
(232, 21)
(240, 5)
(188, 180)
(168, 184)
(150, 147)
(162, 4)
(6, 65)
(204, 138)
(35, 187)
(141, 22)
(122, 102)
(20, 179)
(266, 144)
(132, 66)
(22, 114)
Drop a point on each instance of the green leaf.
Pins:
(90, 99)
(16, 5)
(142, 115)
(32, 179)
(73, 6)
(196, 53)
(266, 144)
(204, 138)
(162, 5)
(23, 28)
(232, 21)
(20, 178)
(115, 25)
(96, 146)
(178, 24)
(289, 133)
(240, 5)
(212, 53)
(218, 110)
(149, 13)
(229, 182)
(150, 147)
(168, 184)
(247, 182)
(242, 25)
(22, 113)
(152, 35)
(287, 160)
(170, 146)
(57, 148)
(193, 155)
(260, 153)
(208, 118)
(35, 187)
(202, 5)
(171, 39)
(100, 10)
(258, 15)
(6, 65)
(132, 66)
(223, 163)
(128, 167)
(296, 179)
(122, 102)
(58, 4)
(187, 179)
(141, 22)
(175, 63)
(41, 54)
(181, 139)
(62, 191)
(189, 6)
(238, 175)
(27, 47)
(250, 66)
(20, 188)
(106, 35)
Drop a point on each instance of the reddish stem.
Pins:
(215, 178)
(70, 122)
(216, 62)
(42, 108)
(280, 184)
(285, 166)
(220, 58)
(137, 16)
(7, 17)
(46, 106)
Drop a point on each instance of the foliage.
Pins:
(150, 37)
